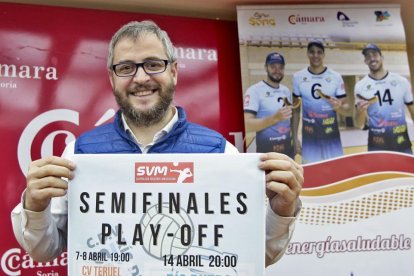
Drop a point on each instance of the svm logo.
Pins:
(164, 172)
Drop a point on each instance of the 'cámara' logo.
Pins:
(11, 71)
(14, 261)
(296, 18)
(28, 72)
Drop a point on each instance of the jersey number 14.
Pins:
(386, 98)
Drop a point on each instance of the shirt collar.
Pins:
(164, 131)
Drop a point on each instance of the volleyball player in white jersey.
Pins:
(267, 111)
(380, 98)
(323, 95)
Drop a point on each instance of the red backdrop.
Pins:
(54, 86)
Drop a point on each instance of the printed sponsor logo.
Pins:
(246, 100)
(188, 55)
(12, 71)
(185, 53)
(359, 244)
(32, 130)
(300, 19)
(164, 172)
(382, 15)
(28, 72)
(342, 16)
(14, 262)
(262, 19)
(345, 19)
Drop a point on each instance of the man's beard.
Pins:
(277, 80)
(375, 69)
(149, 117)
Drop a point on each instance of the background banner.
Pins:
(54, 86)
(355, 218)
(355, 206)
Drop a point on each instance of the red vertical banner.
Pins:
(54, 86)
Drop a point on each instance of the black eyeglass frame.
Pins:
(141, 64)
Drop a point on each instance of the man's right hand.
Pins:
(44, 181)
(283, 113)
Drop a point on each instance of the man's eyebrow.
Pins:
(154, 58)
(126, 61)
(145, 59)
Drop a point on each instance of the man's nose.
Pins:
(141, 76)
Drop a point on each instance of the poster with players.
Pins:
(332, 82)
(325, 80)
(181, 214)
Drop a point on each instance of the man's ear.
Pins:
(174, 71)
(111, 79)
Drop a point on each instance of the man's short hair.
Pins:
(275, 57)
(136, 29)
(371, 46)
(316, 43)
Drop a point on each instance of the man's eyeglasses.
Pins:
(129, 69)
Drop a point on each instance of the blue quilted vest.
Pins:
(185, 137)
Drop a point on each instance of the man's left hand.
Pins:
(284, 180)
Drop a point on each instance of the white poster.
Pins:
(159, 214)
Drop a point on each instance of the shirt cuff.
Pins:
(34, 220)
(277, 225)
(38, 220)
(279, 231)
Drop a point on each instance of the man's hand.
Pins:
(362, 105)
(335, 103)
(284, 180)
(44, 181)
(284, 113)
